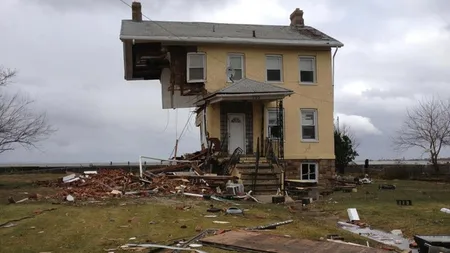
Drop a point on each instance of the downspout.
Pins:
(332, 83)
(332, 68)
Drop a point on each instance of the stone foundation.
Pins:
(326, 168)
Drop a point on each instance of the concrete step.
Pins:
(253, 168)
(259, 176)
(266, 182)
(252, 165)
(260, 172)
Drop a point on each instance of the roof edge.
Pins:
(231, 40)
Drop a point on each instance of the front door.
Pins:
(236, 131)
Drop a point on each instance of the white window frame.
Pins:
(313, 58)
(315, 125)
(268, 111)
(281, 67)
(188, 63)
(316, 172)
(242, 64)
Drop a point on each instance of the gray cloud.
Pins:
(69, 59)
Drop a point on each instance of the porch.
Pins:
(243, 112)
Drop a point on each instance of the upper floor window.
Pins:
(274, 68)
(307, 65)
(236, 61)
(196, 67)
(309, 124)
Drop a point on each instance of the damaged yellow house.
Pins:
(249, 82)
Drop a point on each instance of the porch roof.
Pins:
(248, 89)
(246, 85)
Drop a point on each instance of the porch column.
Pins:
(263, 127)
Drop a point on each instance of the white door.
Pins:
(236, 131)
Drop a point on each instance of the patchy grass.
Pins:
(379, 207)
(82, 227)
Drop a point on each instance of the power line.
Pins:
(186, 125)
(178, 138)
(167, 122)
(176, 123)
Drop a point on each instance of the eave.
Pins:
(229, 40)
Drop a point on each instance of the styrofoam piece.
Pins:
(352, 214)
(68, 178)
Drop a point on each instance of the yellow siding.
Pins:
(318, 96)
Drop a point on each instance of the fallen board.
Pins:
(258, 242)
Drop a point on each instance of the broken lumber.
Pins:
(271, 226)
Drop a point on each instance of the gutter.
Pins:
(230, 40)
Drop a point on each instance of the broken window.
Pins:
(309, 124)
(308, 171)
(274, 68)
(196, 67)
(307, 67)
(236, 61)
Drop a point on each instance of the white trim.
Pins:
(266, 128)
(233, 97)
(244, 133)
(188, 61)
(281, 67)
(314, 62)
(228, 40)
(242, 64)
(315, 124)
(316, 172)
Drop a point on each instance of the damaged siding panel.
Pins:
(237, 107)
(178, 65)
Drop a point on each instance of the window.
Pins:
(307, 67)
(274, 68)
(273, 130)
(309, 124)
(196, 67)
(236, 61)
(308, 172)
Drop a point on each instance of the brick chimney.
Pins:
(297, 18)
(136, 11)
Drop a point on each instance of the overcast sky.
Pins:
(70, 61)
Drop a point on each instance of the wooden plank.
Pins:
(259, 242)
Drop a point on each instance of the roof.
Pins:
(251, 86)
(202, 32)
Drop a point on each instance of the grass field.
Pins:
(379, 207)
(95, 227)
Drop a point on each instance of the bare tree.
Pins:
(347, 130)
(426, 126)
(19, 126)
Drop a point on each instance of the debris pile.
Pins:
(113, 183)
